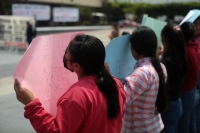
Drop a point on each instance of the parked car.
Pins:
(127, 23)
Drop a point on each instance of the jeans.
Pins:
(198, 107)
(171, 116)
(187, 122)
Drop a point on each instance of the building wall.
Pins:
(91, 3)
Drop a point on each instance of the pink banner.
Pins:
(41, 69)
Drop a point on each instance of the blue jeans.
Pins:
(187, 122)
(171, 116)
(198, 107)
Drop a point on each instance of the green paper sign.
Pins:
(155, 25)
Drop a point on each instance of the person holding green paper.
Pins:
(174, 59)
(145, 86)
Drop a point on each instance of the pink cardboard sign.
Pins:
(41, 69)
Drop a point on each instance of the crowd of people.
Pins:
(160, 95)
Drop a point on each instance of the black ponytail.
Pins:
(189, 31)
(89, 52)
(108, 87)
(144, 42)
(161, 101)
(175, 45)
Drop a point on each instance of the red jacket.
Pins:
(198, 40)
(193, 55)
(82, 109)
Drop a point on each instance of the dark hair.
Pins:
(144, 41)
(198, 18)
(189, 31)
(125, 33)
(175, 46)
(89, 52)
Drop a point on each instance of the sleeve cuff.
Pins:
(35, 102)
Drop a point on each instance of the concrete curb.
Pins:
(71, 28)
(44, 30)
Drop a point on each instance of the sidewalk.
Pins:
(11, 114)
(11, 111)
(8, 62)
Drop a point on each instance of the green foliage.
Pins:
(116, 11)
(5, 7)
(153, 10)
(85, 15)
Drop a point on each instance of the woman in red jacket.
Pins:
(94, 104)
(189, 94)
(197, 24)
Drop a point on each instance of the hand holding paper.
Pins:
(24, 95)
(119, 57)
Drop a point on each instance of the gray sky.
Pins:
(157, 1)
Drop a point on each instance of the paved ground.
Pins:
(11, 111)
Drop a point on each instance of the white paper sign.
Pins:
(191, 16)
(13, 30)
(63, 14)
(187, 17)
(42, 12)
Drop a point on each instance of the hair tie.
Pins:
(176, 28)
(102, 68)
(153, 56)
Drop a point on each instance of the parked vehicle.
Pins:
(127, 23)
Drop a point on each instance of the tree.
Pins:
(5, 6)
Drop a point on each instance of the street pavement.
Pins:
(11, 111)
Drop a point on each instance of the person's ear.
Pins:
(134, 53)
(76, 67)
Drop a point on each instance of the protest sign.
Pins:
(144, 19)
(191, 16)
(42, 12)
(65, 14)
(13, 30)
(119, 57)
(155, 25)
(41, 69)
